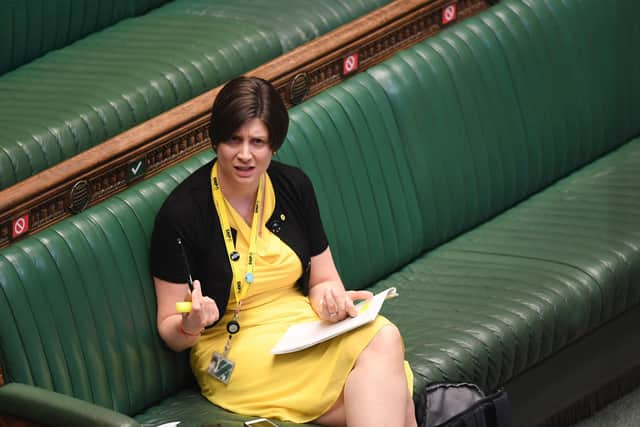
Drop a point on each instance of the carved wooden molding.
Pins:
(177, 134)
(373, 47)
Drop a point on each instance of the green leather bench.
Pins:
(31, 29)
(106, 69)
(490, 173)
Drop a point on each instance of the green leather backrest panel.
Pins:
(77, 304)
(76, 97)
(507, 102)
(348, 141)
(455, 130)
(31, 28)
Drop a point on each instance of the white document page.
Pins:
(304, 335)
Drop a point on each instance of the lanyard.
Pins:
(221, 366)
(238, 281)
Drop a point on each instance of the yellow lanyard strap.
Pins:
(240, 290)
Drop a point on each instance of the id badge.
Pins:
(220, 367)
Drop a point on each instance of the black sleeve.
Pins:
(315, 230)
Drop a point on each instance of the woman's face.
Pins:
(244, 157)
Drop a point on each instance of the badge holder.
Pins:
(221, 367)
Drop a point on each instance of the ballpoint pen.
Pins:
(185, 306)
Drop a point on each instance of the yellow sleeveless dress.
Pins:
(297, 387)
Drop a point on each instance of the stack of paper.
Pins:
(304, 335)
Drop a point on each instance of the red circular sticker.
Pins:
(449, 13)
(350, 64)
(20, 226)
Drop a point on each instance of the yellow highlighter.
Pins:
(185, 306)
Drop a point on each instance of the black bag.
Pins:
(464, 405)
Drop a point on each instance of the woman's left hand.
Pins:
(336, 303)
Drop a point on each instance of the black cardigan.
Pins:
(189, 213)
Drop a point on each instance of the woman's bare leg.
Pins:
(334, 417)
(410, 416)
(376, 391)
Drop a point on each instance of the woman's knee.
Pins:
(388, 340)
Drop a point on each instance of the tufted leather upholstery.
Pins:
(506, 295)
(463, 171)
(499, 108)
(31, 29)
(78, 307)
(74, 98)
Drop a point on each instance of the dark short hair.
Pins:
(245, 98)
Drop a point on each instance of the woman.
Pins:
(253, 236)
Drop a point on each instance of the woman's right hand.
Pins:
(181, 331)
(204, 311)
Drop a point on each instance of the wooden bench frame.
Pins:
(141, 152)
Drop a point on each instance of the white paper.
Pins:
(304, 335)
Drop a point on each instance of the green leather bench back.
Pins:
(349, 144)
(77, 305)
(74, 98)
(449, 133)
(508, 102)
(29, 29)
(407, 155)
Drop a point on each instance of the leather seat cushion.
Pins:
(506, 295)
